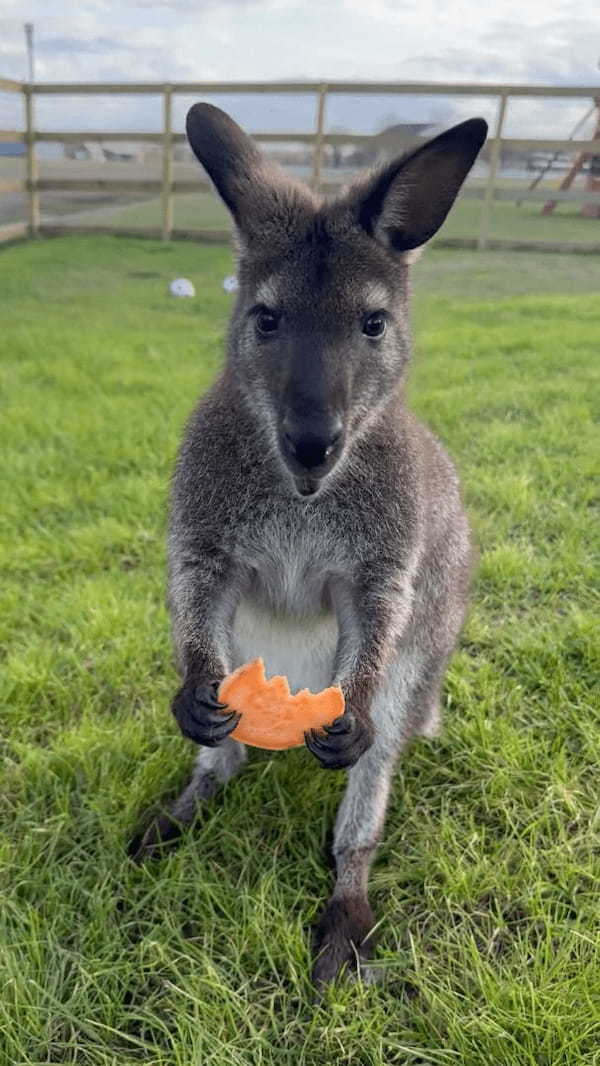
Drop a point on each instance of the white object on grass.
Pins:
(230, 283)
(182, 287)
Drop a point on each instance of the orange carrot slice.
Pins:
(271, 717)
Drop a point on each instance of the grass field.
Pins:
(204, 211)
(486, 885)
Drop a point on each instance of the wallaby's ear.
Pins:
(406, 203)
(228, 155)
(265, 203)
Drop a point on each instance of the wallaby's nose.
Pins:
(314, 444)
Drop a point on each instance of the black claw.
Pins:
(328, 757)
(229, 723)
(343, 724)
(313, 740)
(207, 694)
(211, 718)
(217, 733)
(323, 744)
(230, 717)
(212, 737)
(327, 751)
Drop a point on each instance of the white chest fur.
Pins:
(285, 615)
(300, 648)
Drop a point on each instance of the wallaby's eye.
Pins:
(266, 321)
(374, 325)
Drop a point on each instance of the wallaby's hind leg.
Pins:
(213, 767)
(405, 705)
(342, 934)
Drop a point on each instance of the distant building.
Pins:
(397, 138)
(103, 152)
(389, 142)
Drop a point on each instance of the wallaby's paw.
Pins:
(345, 740)
(200, 715)
(342, 940)
(151, 844)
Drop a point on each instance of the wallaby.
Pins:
(314, 520)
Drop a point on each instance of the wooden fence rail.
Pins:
(167, 186)
(411, 88)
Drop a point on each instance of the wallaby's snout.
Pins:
(312, 410)
(311, 444)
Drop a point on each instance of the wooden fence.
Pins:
(167, 187)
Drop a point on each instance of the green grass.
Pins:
(487, 882)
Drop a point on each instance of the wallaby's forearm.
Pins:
(200, 595)
(200, 583)
(372, 608)
(372, 612)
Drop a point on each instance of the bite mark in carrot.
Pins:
(272, 717)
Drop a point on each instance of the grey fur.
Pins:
(356, 574)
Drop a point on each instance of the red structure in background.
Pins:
(591, 210)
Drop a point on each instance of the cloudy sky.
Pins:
(539, 41)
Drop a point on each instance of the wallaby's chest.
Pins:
(285, 613)
(288, 563)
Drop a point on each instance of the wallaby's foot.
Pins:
(200, 715)
(166, 828)
(342, 938)
(160, 833)
(214, 766)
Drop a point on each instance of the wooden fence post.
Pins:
(167, 167)
(319, 134)
(486, 210)
(32, 166)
